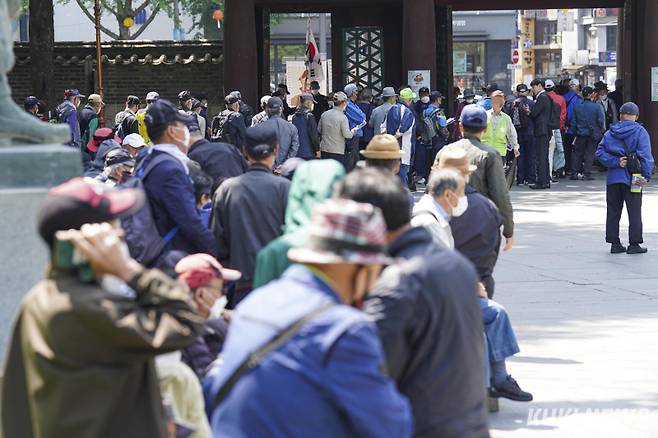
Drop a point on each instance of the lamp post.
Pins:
(99, 65)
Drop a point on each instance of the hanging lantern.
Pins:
(218, 15)
(128, 22)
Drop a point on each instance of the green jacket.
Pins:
(313, 183)
(80, 360)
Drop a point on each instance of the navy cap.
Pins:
(274, 103)
(73, 92)
(588, 91)
(161, 114)
(261, 140)
(30, 101)
(522, 88)
(436, 95)
(306, 97)
(469, 92)
(118, 156)
(193, 124)
(630, 108)
(474, 116)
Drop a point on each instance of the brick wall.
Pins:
(130, 68)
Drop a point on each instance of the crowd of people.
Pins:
(271, 274)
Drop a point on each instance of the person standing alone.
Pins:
(626, 151)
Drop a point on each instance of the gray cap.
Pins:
(350, 89)
(340, 97)
(630, 108)
(388, 92)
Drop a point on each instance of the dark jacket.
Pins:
(236, 129)
(287, 111)
(218, 160)
(248, 213)
(129, 125)
(622, 139)
(489, 177)
(321, 106)
(517, 108)
(477, 232)
(540, 114)
(572, 99)
(427, 314)
(588, 120)
(97, 165)
(368, 131)
(80, 359)
(173, 204)
(247, 113)
(307, 128)
(205, 349)
(88, 124)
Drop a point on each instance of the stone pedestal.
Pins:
(26, 174)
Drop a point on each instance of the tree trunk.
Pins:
(42, 39)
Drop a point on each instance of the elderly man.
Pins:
(378, 116)
(401, 123)
(500, 129)
(357, 120)
(286, 133)
(334, 131)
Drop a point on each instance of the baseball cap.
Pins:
(344, 231)
(306, 97)
(100, 136)
(30, 101)
(436, 95)
(73, 92)
(350, 89)
(474, 116)
(574, 81)
(498, 93)
(340, 97)
(548, 84)
(184, 95)
(77, 202)
(284, 86)
(274, 103)
(588, 91)
(522, 88)
(119, 156)
(230, 99)
(193, 124)
(630, 108)
(424, 90)
(161, 114)
(133, 100)
(264, 99)
(198, 270)
(600, 86)
(95, 98)
(261, 140)
(383, 147)
(388, 92)
(407, 93)
(196, 103)
(469, 92)
(152, 96)
(134, 140)
(315, 85)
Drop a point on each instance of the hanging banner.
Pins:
(313, 59)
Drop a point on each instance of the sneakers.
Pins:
(635, 248)
(510, 390)
(617, 248)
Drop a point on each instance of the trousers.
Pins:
(616, 196)
(501, 340)
(583, 153)
(543, 173)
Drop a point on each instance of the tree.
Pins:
(42, 38)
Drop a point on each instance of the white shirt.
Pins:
(429, 214)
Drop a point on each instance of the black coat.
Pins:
(218, 160)
(427, 313)
(247, 113)
(321, 106)
(540, 114)
(205, 349)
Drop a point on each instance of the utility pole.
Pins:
(99, 64)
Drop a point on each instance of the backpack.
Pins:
(554, 115)
(141, 234)
(428, 128)
(218, 128)
(633, 164)
(62, 113)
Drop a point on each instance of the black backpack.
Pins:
(554, 116)
(140, 232)
(218, 128)
(429, 128)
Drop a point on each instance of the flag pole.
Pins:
(99, 64)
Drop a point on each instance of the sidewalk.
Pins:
(587, 321)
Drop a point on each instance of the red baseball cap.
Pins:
(100, 136)
(197, 270)
(77, 202)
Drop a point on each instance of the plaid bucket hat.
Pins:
(344, 231)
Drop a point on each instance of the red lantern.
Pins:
(218, 15)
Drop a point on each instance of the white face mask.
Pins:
(469, 101)
(217, 308)
(425, 99)
(462, 205)
(186, 137)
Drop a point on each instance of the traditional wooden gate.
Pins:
(363, 57)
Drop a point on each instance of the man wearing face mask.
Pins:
(90, 330)
(327, 354)
(168, 186)
(445, 198)
(206, 279)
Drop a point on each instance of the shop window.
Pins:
(468, 64)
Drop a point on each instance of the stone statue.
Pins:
(17, 125)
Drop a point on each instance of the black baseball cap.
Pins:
(30, 101)
(230, 99)
(118, 156)
(184, 95)
(588, 91)
(315, 85)
(77, 202)
(161, 114)
(133, 100)
(423, 90)
(261, 140)
(522, 88)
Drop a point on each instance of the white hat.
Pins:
(134, 140)
(265, 99)
(152, 95)
(574, 81)
(549, 83)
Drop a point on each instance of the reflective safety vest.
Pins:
(141, 124)
(496, 134)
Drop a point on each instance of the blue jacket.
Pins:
(587, 118)
(355, 116)
(173, 204)
(326, 381)
(624, 138)
(394, 124)
(572, 99)
(485, 103)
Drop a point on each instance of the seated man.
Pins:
(477, 237)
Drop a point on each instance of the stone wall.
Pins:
(130, 68)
